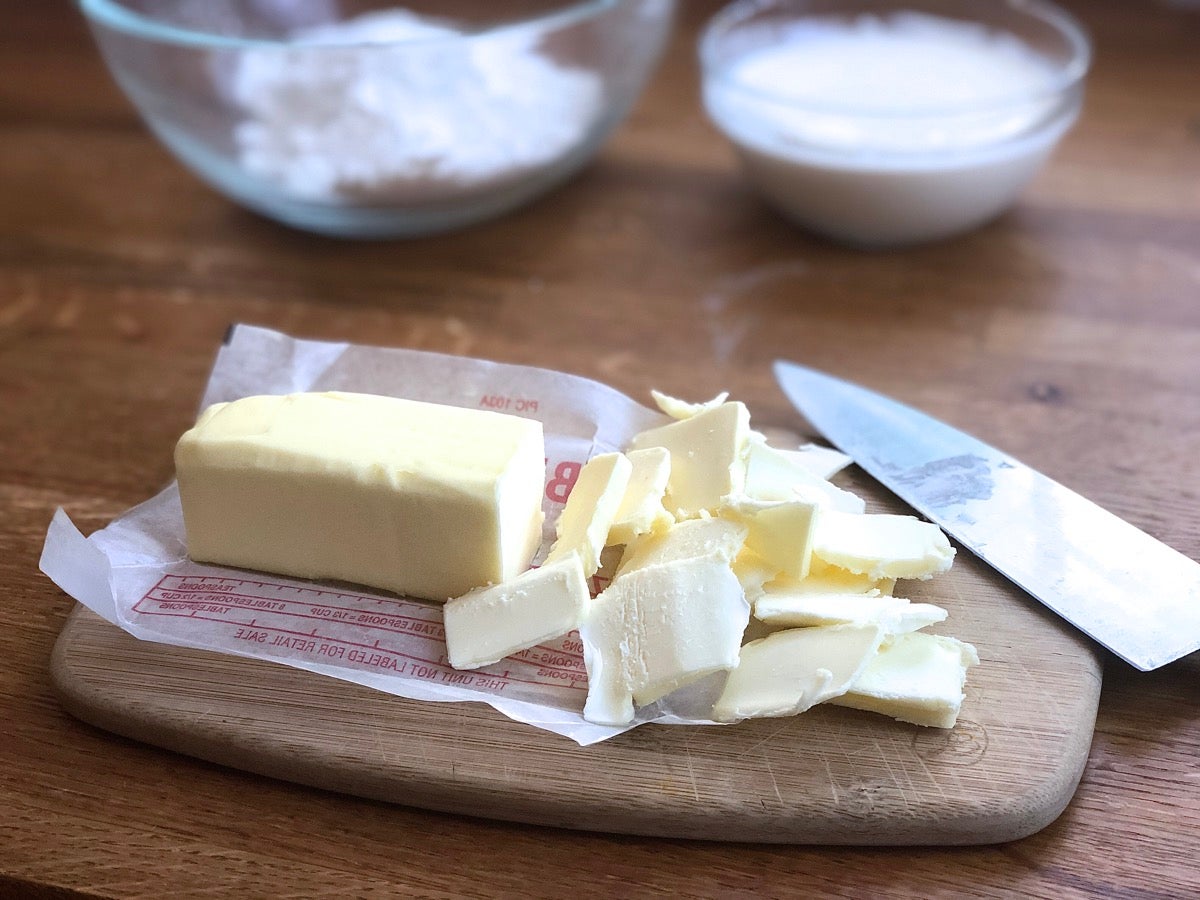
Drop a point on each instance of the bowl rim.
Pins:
(116, 16)
(1065, 78)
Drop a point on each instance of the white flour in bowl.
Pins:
(371, 121)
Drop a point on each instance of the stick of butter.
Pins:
(417, 498)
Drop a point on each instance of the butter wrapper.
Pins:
(135, 572)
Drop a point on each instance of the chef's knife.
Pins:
(1128, 591)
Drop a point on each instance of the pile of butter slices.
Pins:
(735, 557)
(738, 566)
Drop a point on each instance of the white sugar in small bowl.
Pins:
(364, 119)
(882, 123)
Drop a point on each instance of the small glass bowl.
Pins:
(358, 119)
(889, 122)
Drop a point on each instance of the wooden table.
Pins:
(1068, 332)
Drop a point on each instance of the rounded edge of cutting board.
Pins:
(834, 776)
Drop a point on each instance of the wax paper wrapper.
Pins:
(135, 572)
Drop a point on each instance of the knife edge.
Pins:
(1130, 592)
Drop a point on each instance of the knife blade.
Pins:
(1130, 592)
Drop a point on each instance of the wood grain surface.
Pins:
(1067, 333)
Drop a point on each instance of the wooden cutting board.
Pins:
(830, 776)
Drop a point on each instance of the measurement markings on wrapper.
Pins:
(265, 613)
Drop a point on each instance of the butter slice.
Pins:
(791, 671)
(490, 623)
(590, 510)
(830, 595)
(824, 462)
(753, 572)
(822, 578)
(658, 629)
(780, 531)
(708, 457)
(916, 678)
(641, 510)
(882, 546)
(417, 498)
(720, 538)
(774, 474)
(894, 614)
(681, 409)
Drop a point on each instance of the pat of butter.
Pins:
(658, 629)
(490, 623)
(708, 457)
(773, 474)
(780, 531)
(915, 678)
(791, 671)
(641, 508)
(882, 546)
(894, 614)
(753, 572)
(590, 510)
(719, 538)
(823, 578)
(417, 498)
(824, 462)
(681, 409)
